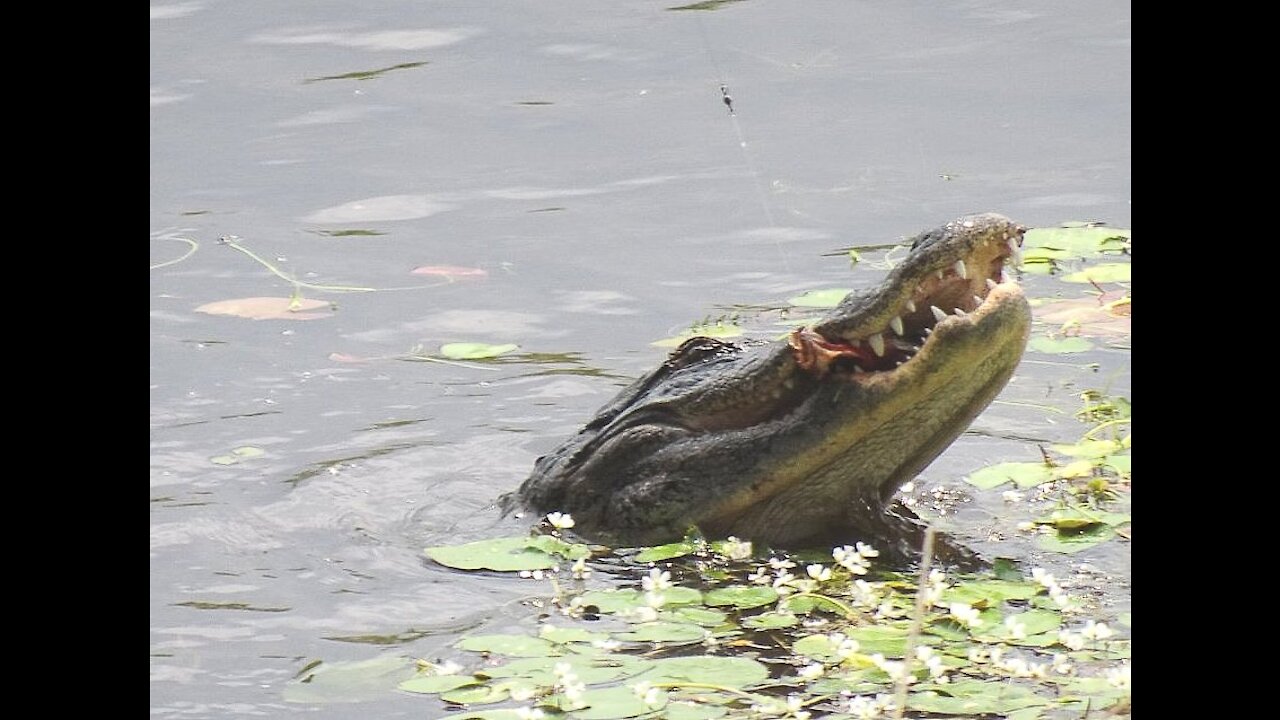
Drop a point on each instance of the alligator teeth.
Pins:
(960, 312)
(877, 344)
(991, 284)
(896, 324)
(938, 314)
(1004, 276)
(961, 270)
(976, 302)
(1015, 251)
(927, 332)
(1013, 245)
(940, 274)
(911, 305)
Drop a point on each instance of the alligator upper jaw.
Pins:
(886, 329)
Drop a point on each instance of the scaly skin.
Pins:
(805, 440)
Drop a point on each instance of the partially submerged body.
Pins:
(805, 440)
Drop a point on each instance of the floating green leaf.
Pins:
(513, 645)
(569, 634)
(665, 552)
(477, 694)
(771, 621)
(1064, 242)
(437, 683)
(990, 593)
(828, 298)
(347, 682)
(966, 697)
(1089, 448)
(1103, 273)
(555, 546)
(700, 615)
(742, 596)
(663, 632)
(1074, 542)
(614, 702)
(501, 554)
(736, 672)
(1023, 474)
(589, 669)
(1059, 346)
(475, 351)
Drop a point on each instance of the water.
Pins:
(581, 156)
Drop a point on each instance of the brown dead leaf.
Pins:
(268, 308)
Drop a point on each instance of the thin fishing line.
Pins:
(752, 168)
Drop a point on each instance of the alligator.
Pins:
(803, 440)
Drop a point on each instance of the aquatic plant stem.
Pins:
(229, 241)
(190, 251)
(917, 622)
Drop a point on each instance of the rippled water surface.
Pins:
(580, 155)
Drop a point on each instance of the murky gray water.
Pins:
(580, 155)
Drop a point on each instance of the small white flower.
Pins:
(780, 563)
(1015, 628)
(1121, 676)
(736, 549)
(783, 578)
(1026, 526)
(654, 600)
(811, 672)
(867, 551)
(1096, 631)
(965, 613)
(759, 577)
(656, 580)
(448, 667)
(1061, 664)
(1043, 577)
(562, 670)
(644, 614)
(580, 570)
(1073, 641)
(1011, 496)
(607, 644)
(525, 713)
(520, 694)
(795, 708)
(819, 572)
(560, 521)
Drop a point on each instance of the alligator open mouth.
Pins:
(894, 327)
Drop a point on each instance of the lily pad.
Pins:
(1102, 273)
(475, 351)
(513, 645)
(437, 683)
(966, 697)
(1023, 474)
(1079, 241)
(771, 621)
(663, 632)
(665, 552)
(501, 554)
(269, 308)
(1059, 346)
(348, 682)
(589, 669)
(1074, 542)
(742, 597)
(736, 672)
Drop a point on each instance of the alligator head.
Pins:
(804, 439)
